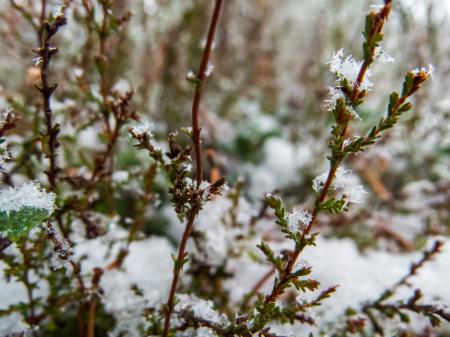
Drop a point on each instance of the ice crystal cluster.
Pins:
(347, 68)
(29, 195)
(344, 182)
(298, 219)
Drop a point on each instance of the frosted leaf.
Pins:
(348, 68)
(297, 217)
(23, 208)
(335, 94)
(144, 129)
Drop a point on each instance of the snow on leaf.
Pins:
(23, 208)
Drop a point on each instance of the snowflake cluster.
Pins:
(344, 181)
(143, 128)
(30, 195)
(348, 69)
(298, 217)
(200, 308)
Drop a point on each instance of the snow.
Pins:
(297, 217)
(200, 308)
(363, 277)
(29, 195)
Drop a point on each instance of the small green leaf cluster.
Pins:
(397, 106)
(16, 224)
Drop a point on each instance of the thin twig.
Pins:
(198, 161)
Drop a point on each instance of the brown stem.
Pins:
(47, 91)
(177, 270)
(198, 160)
(42, 17)
(98, 272)
(201, 75)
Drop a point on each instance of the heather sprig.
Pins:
(351, 88)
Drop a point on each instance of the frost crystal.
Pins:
(297, 217)
(344, 181)
(348, 68)
(201, 309)
(355, 194)
(429, 71)
(28, 195)
(333, 95)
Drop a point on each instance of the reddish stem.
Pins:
(198, 160)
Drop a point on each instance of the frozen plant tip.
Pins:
(142, 128)
(347, 68)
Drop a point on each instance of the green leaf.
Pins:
(16, 224)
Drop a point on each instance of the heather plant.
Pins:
(123, 215)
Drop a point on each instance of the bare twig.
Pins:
(198, 161)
